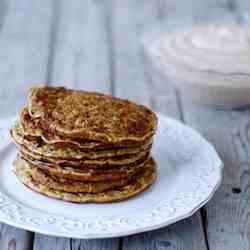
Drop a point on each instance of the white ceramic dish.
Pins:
(189, 172)
(209, 64)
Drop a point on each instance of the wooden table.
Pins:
(96, 45)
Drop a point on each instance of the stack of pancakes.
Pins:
(84, 147)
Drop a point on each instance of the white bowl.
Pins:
(209, 64)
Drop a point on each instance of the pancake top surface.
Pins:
(90, 115)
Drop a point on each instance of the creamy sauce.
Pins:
(212, 53)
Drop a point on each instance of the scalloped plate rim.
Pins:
(84, 235)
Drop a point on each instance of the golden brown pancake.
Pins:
(141, 181)
(94, 163)
(67, 185)
(89, 115)
(87, 174)
(33, 128)
(83, 146)
(38, 146)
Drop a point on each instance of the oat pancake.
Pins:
(141, 181)
(38, 146)
(33, 128)
(83, 146)
(88, 115)
(67, 185)
(87, 174)
(95, 163)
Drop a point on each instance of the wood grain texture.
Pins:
(54, 243)
(24, 40)
(182, 235)
(226, 216)
(129, 20)
(15, 239)
(80, 52)
(135, 79)
(228, 212)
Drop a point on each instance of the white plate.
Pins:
(189, 172)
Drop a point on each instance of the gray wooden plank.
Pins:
(42, 242)
(54, 243)
(129, 19)
(79, 60)
(24, 40)
(226, 215)
(15, 239)
(182, 235)
(81, 46)
(242, 7)
(134, 79)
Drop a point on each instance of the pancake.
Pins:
(67, 185)
(90, 115)
(33, 128)
(107, 161)
(37, 146)
(141, 181)
(83, 146)
(87, 174)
